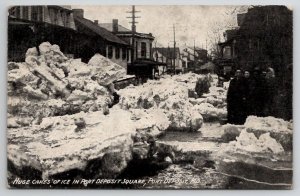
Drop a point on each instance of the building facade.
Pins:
(194, 57)
(141, 61)
(141, 42)
(77, 36)
(169, 56)
(101, 41)
(28, 26)
(264, 37)
(56, 15)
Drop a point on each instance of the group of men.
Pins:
(251, 94)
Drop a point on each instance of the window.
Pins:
(34, 13)
(150, 50)
(15, 11)
(143, 49)
(25, 12)
(109, 52)
(124, 53)
(128, 53)
(117, 53)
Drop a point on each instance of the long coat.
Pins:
(236, 101)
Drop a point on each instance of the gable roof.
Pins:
(105, 34)
(109, 27)
(167, 52)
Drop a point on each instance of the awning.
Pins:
(147, 62)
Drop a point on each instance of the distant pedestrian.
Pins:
(116, 96)
(202, 86)
(236, 97)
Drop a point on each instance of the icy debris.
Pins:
(20, 74)
(51, 53)
(61, 143)
(231, 132)
(188, 77)
(250, 143)
(106, 71)
(154, 121)
(51, 75)
(209, 112)
(78, 95)
(77, 68)
(31, 52)
(268, 124)
(166, 94)
(278, 128)
(38, 94)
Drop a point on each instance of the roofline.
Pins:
(31, 22)
(97, 26)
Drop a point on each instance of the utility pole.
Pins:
(174, 49)
(133, 31)
(194, 57)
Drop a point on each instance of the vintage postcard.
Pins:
(150, 97)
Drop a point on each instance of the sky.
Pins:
(193, 23)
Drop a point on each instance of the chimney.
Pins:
(78, 13)
(96, 22)
(115, 25)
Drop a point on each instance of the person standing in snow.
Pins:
(236, 99)
(247, 79)
(257, 94)
(271, 91)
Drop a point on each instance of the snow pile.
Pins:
(212, 105)
(105, 70)
(61, 143)
(68, 142)
(278, 128)
(209, 112)
(166, 94)
(52, 76)
(250, 143)
(268, 124)
(153, 121)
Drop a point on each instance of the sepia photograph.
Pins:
(150, 97)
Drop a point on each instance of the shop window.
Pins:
(25, 12)
(109, 52)
(117, 53)
(143, 49)
(124, 53)
(34, 13)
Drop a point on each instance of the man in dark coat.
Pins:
(271, 94)
(258, 90)
(236, 97)
(247, 80)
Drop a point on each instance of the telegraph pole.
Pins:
(133, 31)
(174, 50)
(194, 57)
